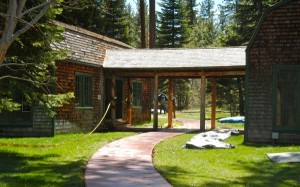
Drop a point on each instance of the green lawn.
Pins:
(191, 114)
(59, 166)
(245, 165)
(162, 122)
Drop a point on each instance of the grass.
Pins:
(191, 114)
(245, 165)
(59, 166)
(195, 114)
(162, 122)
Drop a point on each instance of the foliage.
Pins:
(8, 104)
(230, 94)
(181, 92)
(109, 18)
(173, 25)
(243, 17)
(53, 166)
(245, 165)
(26, 76)
(203, 32)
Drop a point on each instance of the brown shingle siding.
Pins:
(276, 43)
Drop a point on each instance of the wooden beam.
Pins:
(202, 107)
(129, 101)
(113, 95)
(155, 112)
(170, 103)
(186, 74)
(213, 102)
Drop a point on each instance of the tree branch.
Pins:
(27, 80)
(33, 21)
(45, 4)
(21, 5)
(16, 64)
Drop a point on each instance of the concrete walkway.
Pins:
(128, 162)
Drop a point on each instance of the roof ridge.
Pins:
(92, 34)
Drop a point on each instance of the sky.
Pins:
(133, 3)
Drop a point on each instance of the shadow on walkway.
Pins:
(128, 161)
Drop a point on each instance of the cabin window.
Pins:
(286, 110)
(137, 94)
(21, 117)
(84, 90)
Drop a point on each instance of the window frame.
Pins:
(137, 94)
(283, 128)
(83, 97)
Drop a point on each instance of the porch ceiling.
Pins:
(176, 59)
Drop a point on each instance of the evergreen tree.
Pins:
(172, 24)
(204, 31)
(133, 23)
(244, 17)
(110, 18)
(114, 16)
(25, 75)
(82, 13)
(191, 11)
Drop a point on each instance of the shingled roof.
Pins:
(233, 57)
(86, 46)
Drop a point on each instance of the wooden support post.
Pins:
(170, 103)
(129, 102)
(113, 104)
(155, 112)
(202, 108)
(213, 102)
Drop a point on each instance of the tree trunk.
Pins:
(152, 24)
(143, 24)
(15, 14)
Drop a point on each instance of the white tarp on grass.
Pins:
(211, 139)
(284, 157)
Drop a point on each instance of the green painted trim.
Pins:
(261, 21)
(85, 74)
(275, 70)
(83, 108)
(84, 105)
(140, 94)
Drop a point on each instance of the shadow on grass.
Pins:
(22, 170)
(259, 174)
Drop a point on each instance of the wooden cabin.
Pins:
(81, 73)
(273, 76)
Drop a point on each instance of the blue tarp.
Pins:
(236, 119)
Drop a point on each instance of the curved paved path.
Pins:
(128, 161)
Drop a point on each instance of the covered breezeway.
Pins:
(205, 63)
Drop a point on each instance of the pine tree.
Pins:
(204, 31)
(244, 17)
(172, 24)
(191, 11)
(110, 18)
(82, 13)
